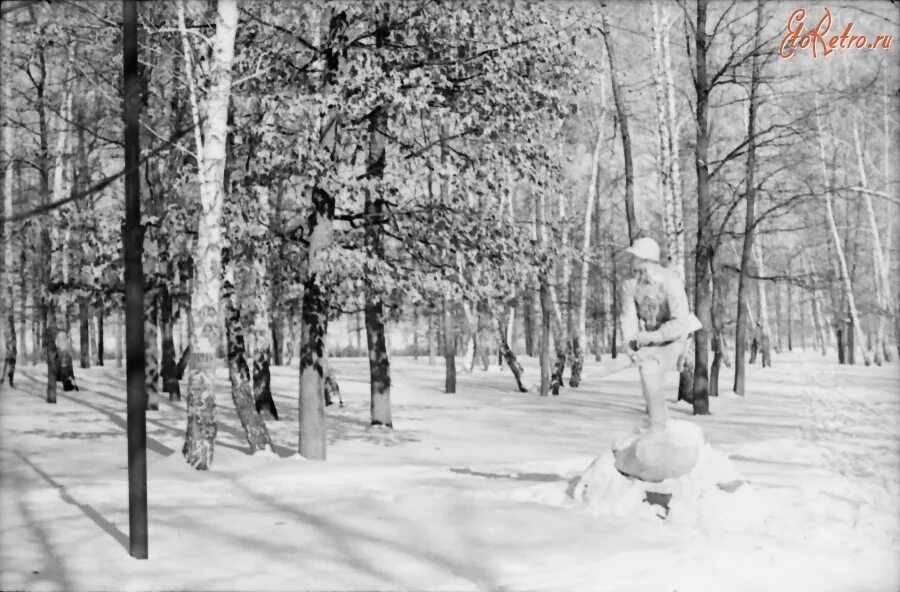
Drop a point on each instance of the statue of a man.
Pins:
(656, 322)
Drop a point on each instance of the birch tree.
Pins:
(545, 299)
(320, 226)
(764, 330)
(7, 317)
(836, 240)
(579, 340)
(740, 337)
(622, 114)
(262, 330)
(882, 277)
(670, 173)
(815, 303)
(46, 324)
(702, 291)
(560, 334)
(893, 306)
(201, 429)
(379, 363)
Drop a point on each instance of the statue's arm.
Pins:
(677, 326)
(628, 312)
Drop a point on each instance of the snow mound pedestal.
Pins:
(710, 491)
(659, 454)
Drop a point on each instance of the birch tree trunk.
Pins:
(448, 329)
(169, 364)
(432, 336)
(674, 158)
(545, 300)
(622, 114)
(702, 291)
(151, 286)
(449, 347)
(379, 362)
(529, 327)
(23, 288)
(882, 276)
(468, 361)
(200, 434)
(7, 317)
(579, 341)
(48, 301)
(560, 341)
(765, 331)
(718, 335)
(262, 334)
(893, 303)
(511, 318)
(836, 240)
(663, 130)
(238, 371)
(670, 176)
(815, 304)
(276, 314)
(509, 356)
(314, 315)
(84, 333)
(100, 329)
(740, 338)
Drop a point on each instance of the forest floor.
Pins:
(470, 491)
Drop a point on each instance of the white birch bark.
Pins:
(609, 322)
(892, 303)
(882, 282)
(839, 249)
(762, 300)
(581, 318)
(677, 257)
(564, 242)
(262, 336)
(469, 355)
(815, 302)
(60, 168)
(662, 135)
(205, 303)
(511, 321)
(886, 179)
(7, 332)
(192, 93)
(751, 316)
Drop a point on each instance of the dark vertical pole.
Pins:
(132, 240)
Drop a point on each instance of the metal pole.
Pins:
(132, 240)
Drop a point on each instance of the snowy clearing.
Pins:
(471, 491)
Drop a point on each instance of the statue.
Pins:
(656, 323)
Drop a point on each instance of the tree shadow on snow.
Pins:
(343, 427)
(350, 541)
(513, 475)
(227, 416)
(53, 567)
(86, 509)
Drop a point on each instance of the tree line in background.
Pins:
(469, 169)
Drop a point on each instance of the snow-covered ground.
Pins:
(471, 491)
